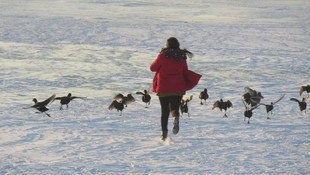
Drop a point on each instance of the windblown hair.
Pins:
(173, 43)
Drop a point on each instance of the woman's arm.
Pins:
(156, 64)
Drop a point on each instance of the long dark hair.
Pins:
(173, 43)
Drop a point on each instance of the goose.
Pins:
(203, 96)
(269, 107)
(119, 106)
(183, 105)
(304, 88)
(41, 106)
(251, 96)
(302, 104)
(146, 98)
(125, 99)
(65, 100)
(248, 111)
(222, 105)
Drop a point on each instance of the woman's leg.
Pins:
(175, 102)
(165, 110)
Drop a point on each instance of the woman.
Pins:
(171, 80)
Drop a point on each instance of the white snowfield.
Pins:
(99, 48)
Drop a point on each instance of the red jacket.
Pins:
(172, 75)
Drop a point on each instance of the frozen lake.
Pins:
(98, 48)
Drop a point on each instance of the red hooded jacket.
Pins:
(172, 74)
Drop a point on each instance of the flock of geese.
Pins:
(251, 100)
(41, 106)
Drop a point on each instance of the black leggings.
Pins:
(169, 104)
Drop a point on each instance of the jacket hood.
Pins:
(174, 54)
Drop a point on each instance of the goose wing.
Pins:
(215, 105)
(245, 105)
(141, 93)
(149, 91)
(262, 104)
(254, 107)
(304, 88)
(279, 99)
(112, 105)
(305, 99)
(118, 96)
(129, 99)
(189, 98)
(71, 98)
(295, 100)
(60, 98)
(249, 90)
(28, 107)
(47, 101)
(230, 105)
(301, 90)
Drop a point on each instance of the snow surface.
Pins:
(98, 48)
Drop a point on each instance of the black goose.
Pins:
(222, 105)
(146, 98)
(302, 104)
(65, 100)
(125, 99)
(119, 106)
(269, 107)
(203, 96)
(251, 96)
(183, 105)
(248, 111)
(304, 88)
(41, 106)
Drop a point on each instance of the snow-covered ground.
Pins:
(99, 48)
